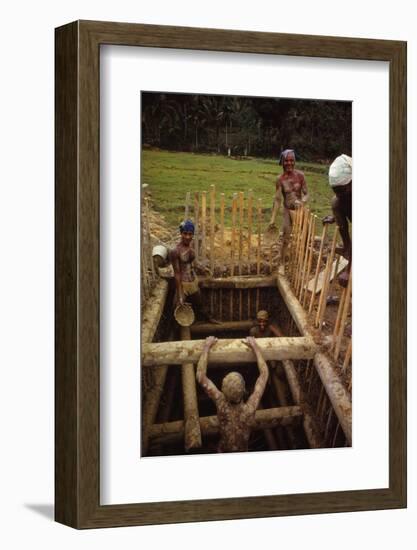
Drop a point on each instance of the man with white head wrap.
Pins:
(236, 417)
(340, 180)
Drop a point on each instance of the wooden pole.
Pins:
(344, 317)
(148, 239)
(323, 296)
(250, 207)
(187, 206)
(316, 277)
(227, 351)
(258, 255)
(203, 224)
(222, 254)
(310, 426)
(303, 241)
(212, 225)
(192, 433)
(279, 386)
(305, 255)
(240, 257)
(233, 240)
(265, 418)
(336, 392)
(310, 262)
(347, 356)
(196, 222)
(338, 318)
(294, 240)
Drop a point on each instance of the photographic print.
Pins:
(246, 279)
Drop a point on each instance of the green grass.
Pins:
(170, 175)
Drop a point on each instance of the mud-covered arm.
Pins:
(276, 205)
(276, 331)
(260, 385)
(208, 386)
(304, 191)
(175, 261)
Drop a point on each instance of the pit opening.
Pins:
(292, 384)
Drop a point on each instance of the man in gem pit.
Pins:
(340, 180)
(236, 417)
(182, 258)
(263, 328)
(291, 186)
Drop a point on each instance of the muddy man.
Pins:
(340, 180)
(291, 184)
(182, 258)
(236, 417)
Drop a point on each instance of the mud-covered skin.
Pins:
(235, 420)
(293, 187)
(182, 258)
(265, 331)
(342, 215)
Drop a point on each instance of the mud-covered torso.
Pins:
(235, 425)
(256, 332)
(182, 258)
(293, 187)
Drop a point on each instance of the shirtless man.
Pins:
(292, 185)
(263, 328)
(236, 417)
(340, 180)
(186, 282)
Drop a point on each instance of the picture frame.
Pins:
(77, 336)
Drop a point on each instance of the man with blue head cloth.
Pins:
(290, 186)
(186, 282)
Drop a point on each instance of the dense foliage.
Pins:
(318, 130)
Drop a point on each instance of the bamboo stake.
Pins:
(347, 356)
(344, 317)
(196, 221)
(294, 241)
(333, 281)
(148, 231)
(212, 224)
(234, 207)
(187, 206)
(316, 277)
(203, 224)
(323, 296)
(338, 318)
(258, 256)
(310, 261)
(305, 256)
(302, 248)
(222, 227)
(240, 258)
(250, 206)
(335, 434)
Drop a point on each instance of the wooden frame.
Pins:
(77, 372)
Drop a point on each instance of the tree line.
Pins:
(318, 130)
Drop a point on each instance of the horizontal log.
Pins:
(209, 425)
(336, 392)
(238, 282)
(227, 351)
(213, 328)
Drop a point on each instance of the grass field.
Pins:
(170, 175)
